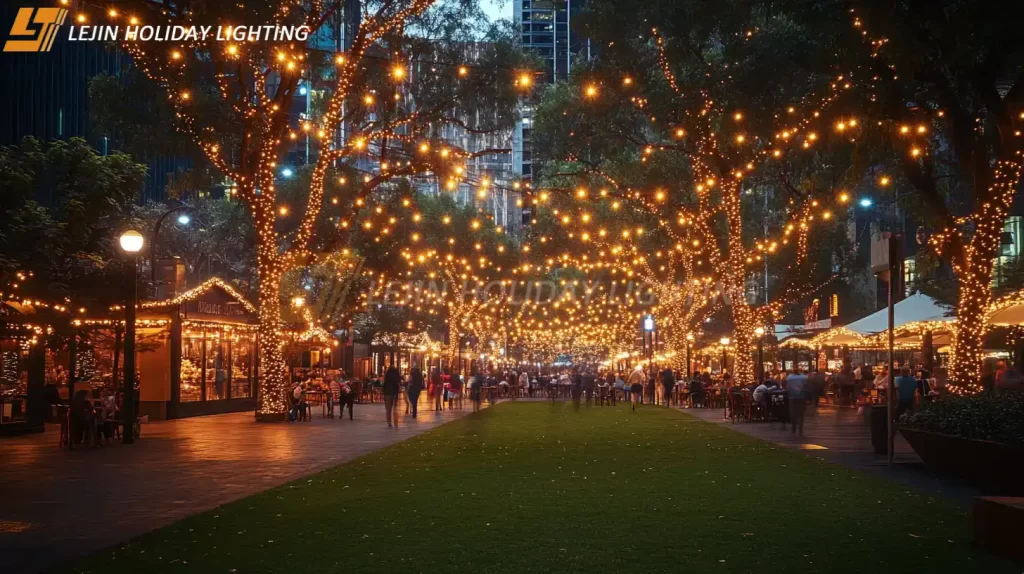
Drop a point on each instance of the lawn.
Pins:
(542, 487)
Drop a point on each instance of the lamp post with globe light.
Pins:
(725, 345)
(689, 365)
(183, 219)
(760, 353)
(131, 242)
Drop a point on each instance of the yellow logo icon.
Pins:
(41, 40)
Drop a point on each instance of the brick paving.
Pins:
(57, 505)
(840, 435)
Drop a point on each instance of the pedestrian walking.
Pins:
(798, 392)
(437, 389)
(392, 386)
(415, 388)
(476, 383)
(636, 386)
(668, 382)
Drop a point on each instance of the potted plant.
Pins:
(978, 437)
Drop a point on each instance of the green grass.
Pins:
(540, 487)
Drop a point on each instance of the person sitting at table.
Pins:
(619, 384)
(760, 392)
(882, 380)
(108, 413)
(705, 380)
(83, 418)
(297, 401)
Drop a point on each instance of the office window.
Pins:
(909, 274)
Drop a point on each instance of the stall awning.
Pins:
(1008, 310)
(783, 332)
(838, 337)
(911, 335)
(918, 307)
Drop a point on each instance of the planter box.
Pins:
(999, 525)
(993, 467)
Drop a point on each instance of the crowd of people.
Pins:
(851, 385)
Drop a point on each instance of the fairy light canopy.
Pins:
(917, 307)
(1007, 311)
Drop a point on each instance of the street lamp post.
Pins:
(725, 344)
(183, 218)
(689, 365)
(131, 243)
(760, 353)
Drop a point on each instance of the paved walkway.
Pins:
(839, 435)
(57, 505)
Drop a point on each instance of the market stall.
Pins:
(197, 352)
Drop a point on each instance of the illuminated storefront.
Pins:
(197, 353)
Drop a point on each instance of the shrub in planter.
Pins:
(994, 416)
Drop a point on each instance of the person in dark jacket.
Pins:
(415, 388)
(696, 392)
(668, 382)
(476, 386)
(390, 389)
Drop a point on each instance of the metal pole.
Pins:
(156, 233)
(760, 360)
(689, 365)
(890, 393)
(128, 402)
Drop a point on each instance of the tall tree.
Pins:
(236, 100)
(671, 122)
(946, 96)
(64, 205)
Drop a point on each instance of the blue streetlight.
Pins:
(287, 172)
(866, 202)
(184, 219)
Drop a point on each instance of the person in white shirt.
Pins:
(882, 380)
(524, 382)
(857, 373)
(297, 409)
(759, 393)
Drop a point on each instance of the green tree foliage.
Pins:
(64, 207)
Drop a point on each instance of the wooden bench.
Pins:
(999, 525)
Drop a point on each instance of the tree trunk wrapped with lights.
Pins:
(974, 263)
(673, 145)
(954, 118)
(236, 100)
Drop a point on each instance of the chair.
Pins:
(357, 390)
(757, 410)
(777, 409)
(737, 406)
(64, 416)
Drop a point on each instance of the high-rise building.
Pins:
(546, 32)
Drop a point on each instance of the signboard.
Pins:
(818, 324)
(215, 304)
(885, 251)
